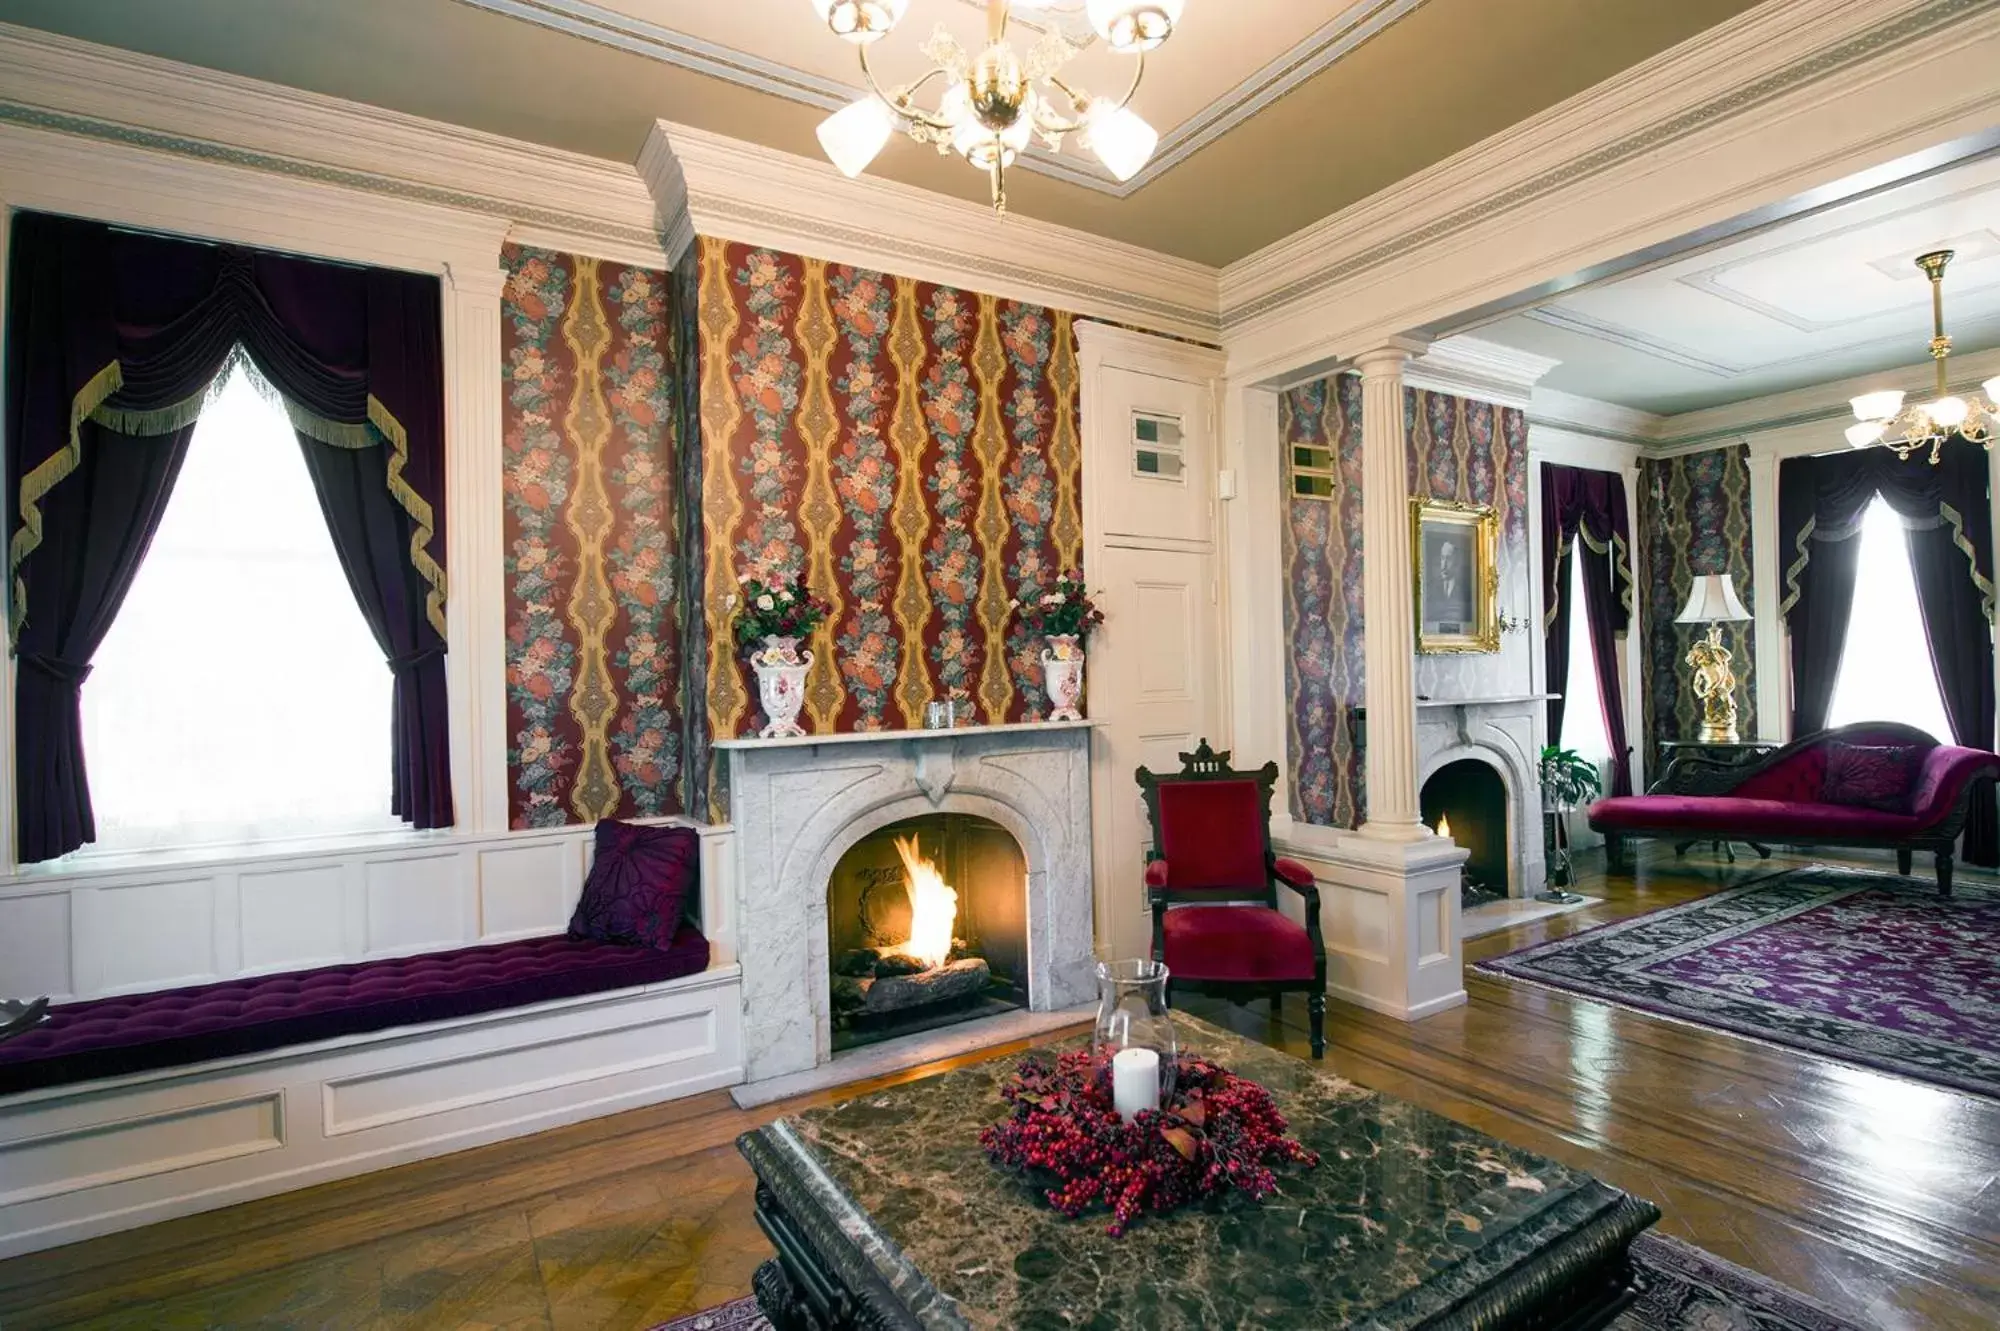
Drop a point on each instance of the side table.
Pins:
(1702, 767)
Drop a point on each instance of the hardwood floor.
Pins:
(1879, 1196)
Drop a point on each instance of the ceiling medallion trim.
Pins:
(1888, 35)
(1333, 40)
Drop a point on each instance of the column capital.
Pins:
(1390, 357)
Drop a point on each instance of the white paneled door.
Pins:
(1155, 686)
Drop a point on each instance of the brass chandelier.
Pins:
(990, 107)
(1881, 418)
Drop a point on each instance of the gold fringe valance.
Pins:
(44, 478)
(1621, 564)
(1985, 585)
(416, 506)
(92, 403)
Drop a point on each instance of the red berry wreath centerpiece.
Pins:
(1219, 1135)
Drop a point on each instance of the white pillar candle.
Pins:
(1135, 1082)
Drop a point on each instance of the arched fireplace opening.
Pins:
(1467, 800)
(927, 925)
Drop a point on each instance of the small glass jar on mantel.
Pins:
(1133, 1041)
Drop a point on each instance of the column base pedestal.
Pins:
(1389, 909)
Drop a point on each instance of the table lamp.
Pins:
(1713, 601)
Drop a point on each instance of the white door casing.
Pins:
(1155, 680)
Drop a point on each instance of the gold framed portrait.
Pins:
(1455, 549)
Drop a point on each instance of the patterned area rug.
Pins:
(1860, 967)
(1682, 1288)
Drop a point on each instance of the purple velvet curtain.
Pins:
(1583, 505)
(113, 339)
(1945, 510)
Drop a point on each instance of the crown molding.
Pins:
(547, 197)
(1474, 368)
(1558, 410)
(1357, 21)
(1735, 112)
(744, 192)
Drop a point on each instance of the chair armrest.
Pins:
(1293, 874)
(1156, 873)
(1300, 879)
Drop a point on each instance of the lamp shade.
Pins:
(1712, 600)
(854, 134)
(1863, 433)
(1878, 406)
(1121, 140)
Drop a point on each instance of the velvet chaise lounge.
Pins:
(1876, 785)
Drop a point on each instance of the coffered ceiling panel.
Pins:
(1819, 299)
(1273, 113)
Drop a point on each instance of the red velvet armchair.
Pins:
(1213, 885)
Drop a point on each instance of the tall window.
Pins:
(1583, 702)
(239, 696)
(1886, 672)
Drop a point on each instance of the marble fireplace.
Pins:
(799, 806)
(1503, 735)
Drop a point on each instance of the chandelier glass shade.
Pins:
(1882, 419)
(995, 103)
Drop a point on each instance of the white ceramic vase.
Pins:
(781, 685)
(1062, 676)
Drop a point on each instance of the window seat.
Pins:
(168, 1028)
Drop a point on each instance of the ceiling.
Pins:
(1273, 113)
(1826, 297)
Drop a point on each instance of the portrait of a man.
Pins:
(1455, 552)
(1448, 602)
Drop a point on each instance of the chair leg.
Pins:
(1944, 873)
(1903, 857)
(1316, 1011)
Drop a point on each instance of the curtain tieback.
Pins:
(57, 669)
(398, 664)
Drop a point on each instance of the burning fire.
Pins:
(933, 907)
(1444, 826)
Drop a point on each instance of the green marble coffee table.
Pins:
(885, 1213)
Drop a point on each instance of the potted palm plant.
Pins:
(1569, 780)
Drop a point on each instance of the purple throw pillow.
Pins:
(1870, 776)
(639, 884)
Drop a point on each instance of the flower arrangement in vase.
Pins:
(1063, 616)
(774, 617)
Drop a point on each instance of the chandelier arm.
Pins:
(1132, 90)
(900, 102)
(1080, 100)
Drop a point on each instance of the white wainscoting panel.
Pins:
(35, 945)
(292, 918)
(135, 936)
(529, 890)
(86, 930)
(414, 905)
(97, 1155)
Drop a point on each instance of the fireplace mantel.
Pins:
(890, 736)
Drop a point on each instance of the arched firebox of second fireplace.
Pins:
(1467, 798)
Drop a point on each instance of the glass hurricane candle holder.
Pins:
(1133, 1042)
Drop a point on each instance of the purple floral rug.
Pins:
(1860, 967)
(1681, 1288)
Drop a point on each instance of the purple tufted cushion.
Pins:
(1870, 776)
(639, 884)
(108, 1037)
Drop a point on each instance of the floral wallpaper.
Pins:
(1472, 452)
(1694, 518)
(593, 534)
(914, 450)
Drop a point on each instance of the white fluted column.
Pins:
(475, 606)
(1388, 600)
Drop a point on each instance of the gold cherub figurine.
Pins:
(1715, 685)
